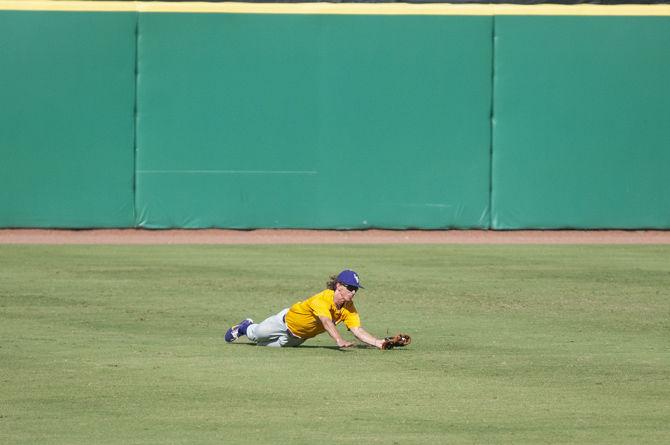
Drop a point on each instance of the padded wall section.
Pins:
(316, 121)
(67, 85)
(581, 122)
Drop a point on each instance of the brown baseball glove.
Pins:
(396, 341)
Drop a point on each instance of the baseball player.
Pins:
(308, 318)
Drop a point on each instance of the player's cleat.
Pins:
(234, 333)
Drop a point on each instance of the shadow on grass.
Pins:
(333, 348)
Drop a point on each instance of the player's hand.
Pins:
(344, 344)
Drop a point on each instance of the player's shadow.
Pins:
(333, 348)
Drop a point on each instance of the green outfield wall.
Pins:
(323, 120)
(581, 122)
(67, 99)
(313, 121)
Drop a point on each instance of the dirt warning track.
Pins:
(275, 236)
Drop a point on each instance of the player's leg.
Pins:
(273, 332)
(269, 332)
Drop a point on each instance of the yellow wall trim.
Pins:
(340, 8)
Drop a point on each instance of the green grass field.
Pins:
(512, 344)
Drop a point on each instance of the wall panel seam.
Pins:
(136, 119)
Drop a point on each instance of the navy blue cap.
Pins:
(350, 278)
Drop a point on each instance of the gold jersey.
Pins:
(302, 318)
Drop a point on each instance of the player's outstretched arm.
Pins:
(334, 333)
(366, 337)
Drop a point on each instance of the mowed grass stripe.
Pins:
(512, 344)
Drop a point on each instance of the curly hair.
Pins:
(332, 282)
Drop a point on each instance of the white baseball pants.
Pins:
(273, 332)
